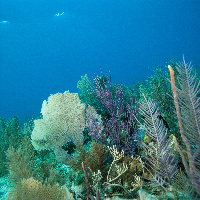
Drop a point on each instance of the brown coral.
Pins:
(32, 189)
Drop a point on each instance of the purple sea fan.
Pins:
(94, 123)
(119, 126)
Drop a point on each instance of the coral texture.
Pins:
(34, 190)
(11, 134)
(63, 121)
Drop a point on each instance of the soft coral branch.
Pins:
(187, 107)
(120, 126)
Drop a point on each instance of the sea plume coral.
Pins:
(63, 121)
(186, 99)
(161, 160)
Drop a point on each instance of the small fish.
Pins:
(4, 22)
(59, 14)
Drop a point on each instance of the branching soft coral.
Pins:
(161, 160)
(186, 99)
(119, 126)
(34, 190)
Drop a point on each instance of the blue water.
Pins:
(42, 54)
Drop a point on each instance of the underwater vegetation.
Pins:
(109, 141)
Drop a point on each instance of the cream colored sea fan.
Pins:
(63, 121)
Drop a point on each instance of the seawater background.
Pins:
(42, 54)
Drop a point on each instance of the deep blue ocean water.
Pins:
(47, 45)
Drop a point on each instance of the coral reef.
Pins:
(109, 141)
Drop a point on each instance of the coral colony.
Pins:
(109, 141)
